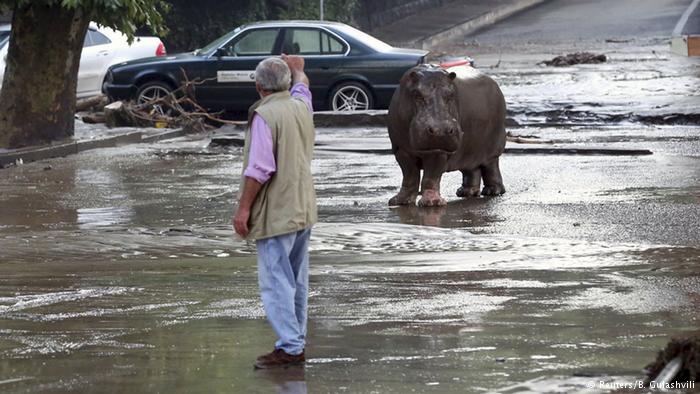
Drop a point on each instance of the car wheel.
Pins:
(152, 91)
(351, 96)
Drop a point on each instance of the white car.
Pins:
(102, 48)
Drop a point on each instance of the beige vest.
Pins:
(287, 201)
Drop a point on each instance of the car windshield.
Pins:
(376, 44)
(217, 43)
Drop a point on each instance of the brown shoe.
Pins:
(279, 358)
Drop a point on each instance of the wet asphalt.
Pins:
(119, 270)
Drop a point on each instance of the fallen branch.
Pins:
(575, 58)
(95, 103)
(521, 140)
(526, 139)
(98, 117)
(177, 109)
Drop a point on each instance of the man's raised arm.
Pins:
(300, 82)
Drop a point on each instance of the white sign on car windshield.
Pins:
(235, 76)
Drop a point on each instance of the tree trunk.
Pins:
(37, 100)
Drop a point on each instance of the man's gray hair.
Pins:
(273, 75)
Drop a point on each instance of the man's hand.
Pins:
(295, 63)
(251, 187)
(296, 66)
(240, 222)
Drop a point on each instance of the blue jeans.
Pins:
(283, 277)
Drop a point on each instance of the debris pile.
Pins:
(681, 359)
(178, 109)
(575, 58)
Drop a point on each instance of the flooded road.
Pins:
(473, 320)
(120, 271)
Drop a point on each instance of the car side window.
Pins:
(311, 42)
(98, 38)
(331, 45)
(87, 42)
(94, 37)
(259, 42)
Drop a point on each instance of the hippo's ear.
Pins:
(411, 78)
(452, 75)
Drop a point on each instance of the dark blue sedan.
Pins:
(348, 69)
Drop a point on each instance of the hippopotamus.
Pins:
(445, 120)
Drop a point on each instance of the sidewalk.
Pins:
(451, 20)
(87, 137)
(92, 136)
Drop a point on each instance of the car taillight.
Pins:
(160, 51)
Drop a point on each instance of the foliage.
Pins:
(124, 15)
(194, 24)
(333, 10)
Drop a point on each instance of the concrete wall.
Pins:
(373, 14)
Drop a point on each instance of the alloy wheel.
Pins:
(153, 93)
(350, 98)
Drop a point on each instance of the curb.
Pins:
(371, 118)
(481, 21)
(27, 155)
(164, 135)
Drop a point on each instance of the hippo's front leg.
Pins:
(411, 177)
(471, 180)
(433, 168)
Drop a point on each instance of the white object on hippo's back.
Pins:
(464, 71)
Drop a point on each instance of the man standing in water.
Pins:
(277, 201)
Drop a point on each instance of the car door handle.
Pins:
(102, 53)
(325, 67)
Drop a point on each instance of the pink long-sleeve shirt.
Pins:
(261, 161)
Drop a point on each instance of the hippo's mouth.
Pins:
(435, 151)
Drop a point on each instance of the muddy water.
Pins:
(486, 312)
(496, 314)
(119, 271)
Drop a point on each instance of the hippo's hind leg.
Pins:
(411, 178)
(493, 182)
(471, 181)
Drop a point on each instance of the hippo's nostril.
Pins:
(431, 131)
